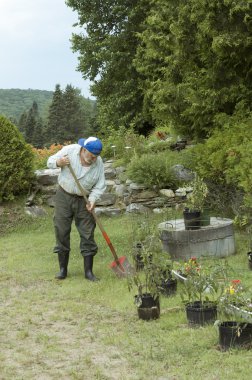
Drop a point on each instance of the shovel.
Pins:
(121, 266)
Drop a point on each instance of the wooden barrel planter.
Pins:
(214, 240)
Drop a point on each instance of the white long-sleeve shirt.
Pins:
(92, 178)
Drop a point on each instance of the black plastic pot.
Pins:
(200, 314)
(149, 308)
(235, 334)
(192, 219)
(168, 287)
(249, 254)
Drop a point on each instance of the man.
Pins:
(70, 204)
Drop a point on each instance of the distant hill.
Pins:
(14, 102)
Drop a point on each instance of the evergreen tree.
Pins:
(185, 63)
(74, 125)
(22, 123)
(196, 59)
(38, 134)
(55, 125)
(107, 52)
(31, 120)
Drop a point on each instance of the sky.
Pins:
(35, 46)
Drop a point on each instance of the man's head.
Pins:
(92, 144)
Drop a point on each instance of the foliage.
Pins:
(14, 102)
(41, 155)
(235, 295)
(154, 169)
(122, 144)
(224, 159)
(107, 45)
(196, 198)
(194, 58)
(175, 62)
(148, 280)
(204, 284)
(69, 116)
(31, 126)
(16, 162)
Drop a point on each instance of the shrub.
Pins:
(224, 160)
(41, 155)
(16, 161)
(154, 169)
(122, 145)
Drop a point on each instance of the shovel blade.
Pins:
(122, 267)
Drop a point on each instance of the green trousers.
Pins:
(68, 208)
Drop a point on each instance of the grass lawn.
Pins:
(75, 329)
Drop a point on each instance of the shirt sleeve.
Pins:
(51, 162)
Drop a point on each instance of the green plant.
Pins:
(236, 297)
(196, 198)
(204, 284)
(147, 280)
(154, 170)
(16, 161)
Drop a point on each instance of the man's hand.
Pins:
(63, 161)
(90, 206)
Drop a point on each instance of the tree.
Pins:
(55, 125)
(32, 118)
(196, 60)
(166, 61)
(38, 134)
(107, 51)
(73, 121)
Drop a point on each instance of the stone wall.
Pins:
(122, 195)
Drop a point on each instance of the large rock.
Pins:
(182, 173)
(120, 190)
(47, 176)
(143, 195)
(167, 193)
(35, 211)
(108, 211)
(110, 173)
(137, 208)
(107, 199)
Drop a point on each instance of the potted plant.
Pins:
(141, 231)
(235, 306)
(201, 291)
(195, 203)
(167, 281)
(181, 271)
(147, 281)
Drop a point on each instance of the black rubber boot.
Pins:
(88, 268)
(63, 263)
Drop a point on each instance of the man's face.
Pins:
(88, 157)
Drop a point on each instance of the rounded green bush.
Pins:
(16, 161)
(154, 170)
